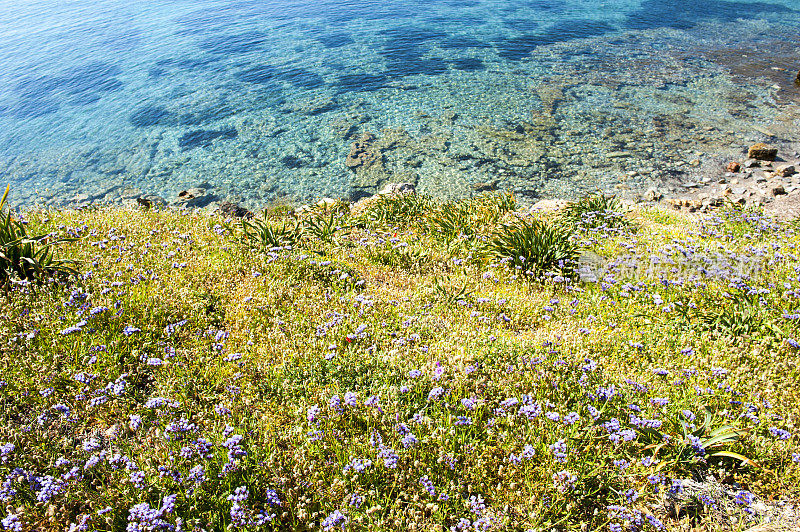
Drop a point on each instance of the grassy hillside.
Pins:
(402, 367)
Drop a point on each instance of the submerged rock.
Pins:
(203, 138)
(363, 153)
(396, 189)
(194, 197)
(762, 152)
(488, 186)
(233, 210)
(150, 200)
(785, 170)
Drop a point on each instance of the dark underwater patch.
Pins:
(149, 115)
(94, 77)
(369, 11)
(262, 74)
(461, 42)
(417, 66)
(82, 85)
(569, 30)
(403, 51)
(335, 40)
(290, 161)
(685, 14)
(411, 35)
(300, 77)
(205, 115)
(361, 82)
(156, 72)
(270, 75)
(463, 3)
(526, 25)
(30, 108)
(517, 48)
(468, 64)
(545, 5)
(204, 137)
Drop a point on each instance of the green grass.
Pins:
(396, 337)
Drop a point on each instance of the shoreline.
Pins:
(772, 184)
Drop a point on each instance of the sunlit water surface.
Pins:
(260, 101)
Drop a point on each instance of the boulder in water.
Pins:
(762, 152)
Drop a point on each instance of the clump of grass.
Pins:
(535, 247)
(324, 227)
(468, 218)
(739, 315)
(326, 273)
(24, 257)
(596, 211)
(396, 210)
(260, 234)
(407, 258)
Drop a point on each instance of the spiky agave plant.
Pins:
(696, 444)
(259, 234)
(324, 227)
(24, 257)
(535, 247)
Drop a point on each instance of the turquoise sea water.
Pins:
(258, 101)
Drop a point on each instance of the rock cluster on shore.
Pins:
(763, 179)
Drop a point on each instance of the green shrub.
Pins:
(323, 227)
(26, 257)
(260, 235)
(401, 209)
(595, 211)
(536, 247)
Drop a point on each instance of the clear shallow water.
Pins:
(261, 101)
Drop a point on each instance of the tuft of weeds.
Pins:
(535, 247)
(260, 234)
(739, 314)
(330, 274)
(596, 211)
(28, 258)
(446, 291)
(468, 218)
(324, 227)
(397, 210)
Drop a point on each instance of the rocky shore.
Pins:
(763, 176)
